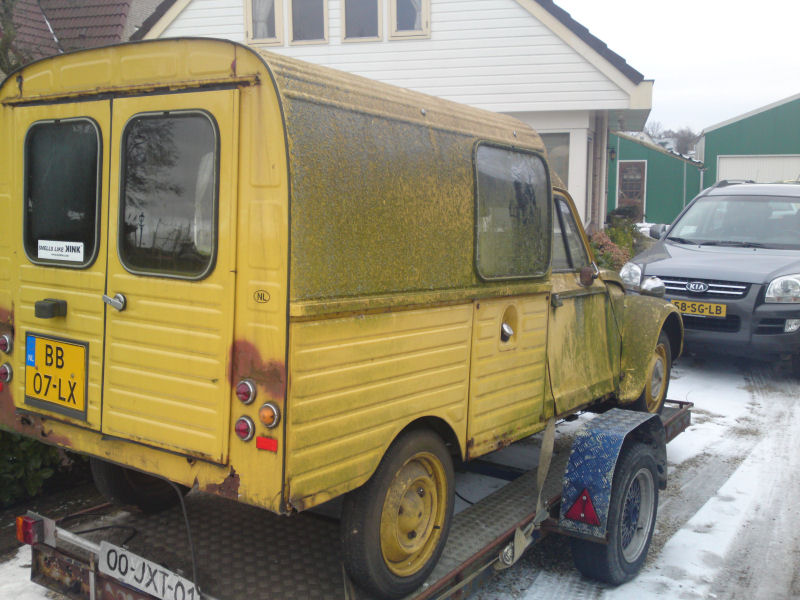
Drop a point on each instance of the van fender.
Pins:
(586, 487)
(644, 319)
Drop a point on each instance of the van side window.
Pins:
(169, 195)
(62, 192)
(571, 244)
(513, 219)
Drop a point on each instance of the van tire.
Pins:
(631, 521)
(124, 486)
(384, 552)
(656, 384)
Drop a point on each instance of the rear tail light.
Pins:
(245, 428)
(269, 415)
(29, 530)
(6, 373)
(246, 391)
(5, 343)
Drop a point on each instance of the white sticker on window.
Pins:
(71, 251)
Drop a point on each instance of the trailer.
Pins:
(215, 549)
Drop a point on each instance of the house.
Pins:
(649, 181)
(47, 27)
(762, 145)
(526, 58)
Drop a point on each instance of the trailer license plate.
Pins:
(702, 309)
(144, 575)
(55, 372)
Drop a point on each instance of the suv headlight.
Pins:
(631, 274)
(784, 289)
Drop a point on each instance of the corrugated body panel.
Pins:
(508, 378)
(468, 37)
(356, 381)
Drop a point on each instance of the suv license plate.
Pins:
(144, 575)
(55, 373)
(701, 309)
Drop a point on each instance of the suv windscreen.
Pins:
(62, 189)
(772, 222)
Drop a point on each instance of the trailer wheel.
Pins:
(631, 521)
(127, 486)
(394, 527)
(657, 382)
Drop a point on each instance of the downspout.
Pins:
(684, 184)
(50, 27)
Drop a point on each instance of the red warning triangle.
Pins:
(583, 509)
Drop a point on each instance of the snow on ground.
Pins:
(728, 522)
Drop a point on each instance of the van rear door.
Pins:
(171, 272)
(61, 272)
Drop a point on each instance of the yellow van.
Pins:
(282, 284)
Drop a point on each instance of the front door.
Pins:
(583, 341)
(171, 270)
(632, 186)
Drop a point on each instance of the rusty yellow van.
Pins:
(282, 284)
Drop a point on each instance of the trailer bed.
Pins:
(243, 552)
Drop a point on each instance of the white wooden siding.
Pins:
(488, 53)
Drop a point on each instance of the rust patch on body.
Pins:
(229, 488)
(246, 362)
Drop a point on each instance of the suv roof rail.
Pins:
(726, 182)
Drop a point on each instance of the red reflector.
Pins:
(265, 443)
(583, 509)
(28, 530)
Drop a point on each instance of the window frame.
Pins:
(250, 25)
(558, 199)
(349, 40)
(290, 33)
(424, 33)
(121, 197)
(476, 212)
(98, 198)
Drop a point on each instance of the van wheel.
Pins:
(394, 527)
(631, 521)
(125, 486)
(657, 379)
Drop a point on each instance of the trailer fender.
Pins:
(586, 488)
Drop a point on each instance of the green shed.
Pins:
(654, 182)
(762, 145)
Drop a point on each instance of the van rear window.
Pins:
(168, 216)
(62, 190)
(514, 207)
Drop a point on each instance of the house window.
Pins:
(309, 21)
(632, 187)
(265, 21)
(557, 145)
(411, 18)
(513, 224)
(361, 19)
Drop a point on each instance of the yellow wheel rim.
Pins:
(656, 386)
(413, 514)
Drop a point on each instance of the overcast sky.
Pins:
(711, 60)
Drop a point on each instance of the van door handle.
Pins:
(50, 308)
(118, 301)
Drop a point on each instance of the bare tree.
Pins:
(11, 56)
(654, 129)
(685, 140)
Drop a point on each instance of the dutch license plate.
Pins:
(702, 309)
(55, 372)
(144, 575)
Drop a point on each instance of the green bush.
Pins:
(615, 245)
(25, 465)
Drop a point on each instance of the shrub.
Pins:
(26, 465)
(614, 246)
